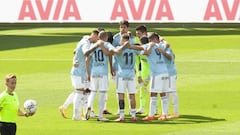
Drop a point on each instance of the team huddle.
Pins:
(147, 66)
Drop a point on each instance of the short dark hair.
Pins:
(102, 34)
(144, 40)
(100, 29)
(141, 28)
(96, 32)
(110, 37)
(153, 35)
(124, 22)
(125, 36)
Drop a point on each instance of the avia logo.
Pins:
(230, 12)
(136, 12)
(53, 10)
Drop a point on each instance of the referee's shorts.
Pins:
(8, 128)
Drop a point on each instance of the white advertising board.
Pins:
(186, 11)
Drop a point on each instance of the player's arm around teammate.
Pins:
(78, 68)
(159, 77)
(172, 82)
(99, 74)
(126, 76)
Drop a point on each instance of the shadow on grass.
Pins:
(17, 41)
(21, 26)
(184, 119)
(177, 29)
(9, 42)
(197, 31)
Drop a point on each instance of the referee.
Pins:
(9, 107)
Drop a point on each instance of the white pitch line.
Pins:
(18, 33)
(33, 30)
(37, 59)
(64, 60)
(210, 61)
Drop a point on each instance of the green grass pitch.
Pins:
(208, 85)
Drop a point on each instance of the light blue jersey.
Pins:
(126, 62)
(116, 42)
(100, 61)
(80, 59)
(170, 63)
(162, 45)
(156, 61)
(117, 38)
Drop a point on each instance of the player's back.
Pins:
(79, 58)
(117, 38)
(170, 63)
(126, 62)
(156, 61)
(100, 61)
